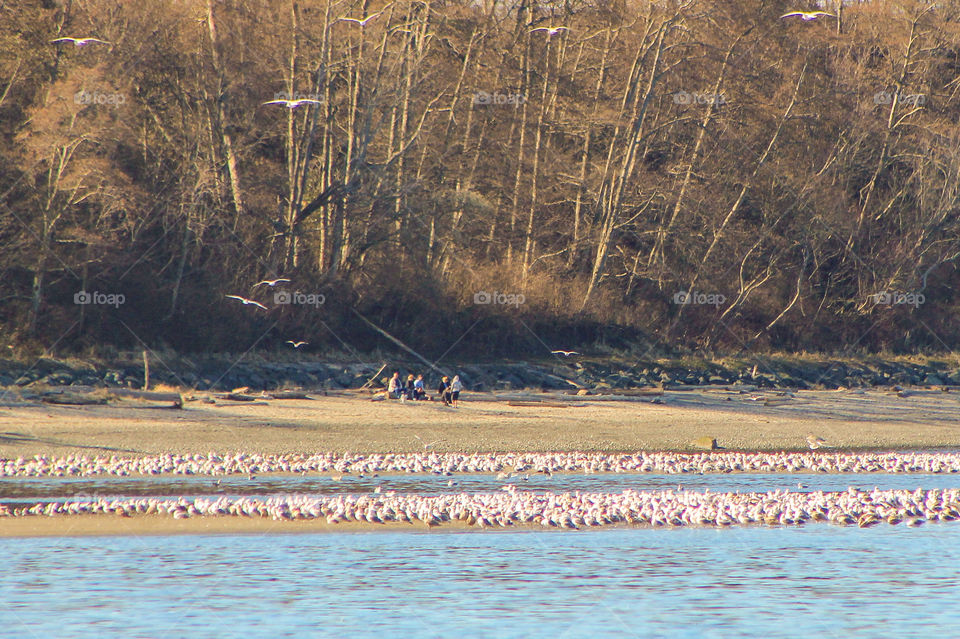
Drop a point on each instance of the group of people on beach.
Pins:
(413, 389)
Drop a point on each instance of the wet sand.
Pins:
(751, 420)
(145, 525)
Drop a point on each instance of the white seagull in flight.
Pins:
(565, 353)
(364, 21)
(271, 283)
(80, 41)
(246, 301)
(293, 104)
(297, 344)
(551, 31)
(807, 15)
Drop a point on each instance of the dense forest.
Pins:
(479, 177)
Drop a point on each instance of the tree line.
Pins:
(487, 176)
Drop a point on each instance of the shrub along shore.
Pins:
(572, 373)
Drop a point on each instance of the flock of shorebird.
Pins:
(503, 464)
(511, 507)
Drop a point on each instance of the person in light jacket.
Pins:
(455, 388)
(395, 387)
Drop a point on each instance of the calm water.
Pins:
(738, 582)
(49, 489)
(775, 582)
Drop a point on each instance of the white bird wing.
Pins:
(793, 14)
(823, 13)
(277, 102)
(64, 40)
(237, 297)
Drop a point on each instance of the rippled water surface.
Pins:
(821, 581)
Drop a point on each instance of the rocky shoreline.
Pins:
(598, 375)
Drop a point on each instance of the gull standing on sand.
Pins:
(816, 442)
(81, 41)
(246, 301)
(293, 104)
(806, 16)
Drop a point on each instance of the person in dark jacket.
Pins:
(444, 390)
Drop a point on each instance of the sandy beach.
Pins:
(738, 420)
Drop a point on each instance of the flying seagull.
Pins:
(293, 104)
(807, 15)
(565, 353)
(270, 283)
(246, 301)
(297, 344)
(80, 41)
(551, 31)
(816, 442)
(425, 444)
(364, 21)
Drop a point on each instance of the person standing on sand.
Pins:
(395, 387)
(444, 390)
(455, 388)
